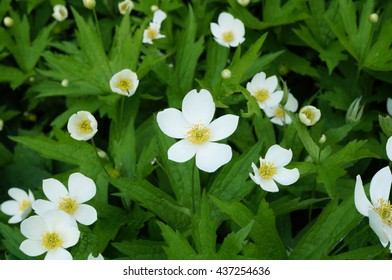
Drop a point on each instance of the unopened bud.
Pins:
(1, 124)
(309, 115)
(154, 8)
(322, 139)
(89, 4)
(226, 74)
(8, 21)
(355, 111)
(373, 18)
(243, 3)
(65, 83)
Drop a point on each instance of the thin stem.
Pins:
(97, 25)
(99, 159)
(193, 187)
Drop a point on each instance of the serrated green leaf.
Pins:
(12, 238)
(141, 249)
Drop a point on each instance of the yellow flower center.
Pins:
(52, 240)
(152, 33)
(62, 13)
(228, 36)
(262, 95)
(199, 134)
(267, 170)
(384, 210)
(68, 205)
(279, 112)
(124, 85)
(24, 205)
(85, 126)
(309, 114)
(124, 7)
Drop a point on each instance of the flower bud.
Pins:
(243, 3)
(154, 8)
(89, 4)
(65, 83)
(322, 139)
(355, 111)
(226, 74)
(373, 18)
(1, 124)
(8, 21)
(125, 7)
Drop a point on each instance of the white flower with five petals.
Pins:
(20, 207)
(309, 115)
(229, 31)
(82, 126)
(278, 113)
(71, 201)
(124, 82)
(153, 30)
(379, 208)
(265, 90)
(272, 169)
(197, 133)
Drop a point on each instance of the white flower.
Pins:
(80, 190)
(89, 4)
(124, 82)
(264, 90)
(154, 29)
(97, 258)
(389, 148)
(309, 115)
(82, 125)
(20, 207)
(272, 169)
(52, 232)
(60, 12)
(8, 21)
(278, 113)
(193, 125)
(389, 106)
(125, 7)
(229, 32)
(379, 209)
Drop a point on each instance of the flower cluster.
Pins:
(153, 31)
(54, 228)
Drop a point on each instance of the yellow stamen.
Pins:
(52, 240)
(85, 126)
(309, 114)
(199, 134)
(124, 85)
(228, 36)
(267, 170)
(24, 205)
(68, 205)
(262, 95)
(279, 112)
(384, 210)
(152, 33)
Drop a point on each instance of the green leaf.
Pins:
(141, 249)
(367, 253)
(386, 125)
(12, 238)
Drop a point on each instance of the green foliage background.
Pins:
(328, 54)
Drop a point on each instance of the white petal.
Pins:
(225, 19)
(17, 218)
(33, 227)
(10, 207)
(41, 206)
(181, 151)
(377, 225)
(380, 185)
(215, 30)
(172, 122)
(211, 156)
(271, 83)
(70, 237)
(32, 248)
(97, 258)
(58, 254)
(58, 221)
(54, 189)
(286, 176)
(81, 187)
(221, 42)
(291, 103)
(238, 28)
(362, 203)
(223, 127)
(159, 16)
(278, 155)
(389, 147)
(389, 106)
(86, 214)
(269, 185)
(274, 99)
(258, 80)
(278, 121)
(198, 107)
(18, 194)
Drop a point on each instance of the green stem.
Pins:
(193, 187)
(97, 25)
(99, 159)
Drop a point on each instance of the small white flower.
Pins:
(89, 4)
(389, 148)
(153, 30)
(243, 3)
(229, 31)
(309, 115)
(197, 133)
(97, 258)
(278, 113)
(60, 12)
(124, 82)
(264, 90)
(272, 169)
(20, 207)
(125, 7)
(82, 125)
(226, 74)
(8, 21)
(389, 106)
(379, 209)
(71, 201)
(53, 232)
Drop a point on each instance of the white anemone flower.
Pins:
(309, 115)
(278, 113)
(389, 148)
(229, 31)
(389, 106)
(154, 29)
(97, 258)
(379, 208)
(60, 12)
(82, 125)
(197, 133)
(20, 207)
(124, 82)
(52, 232)
(71, 201)
(265, 90)
(125, 7)
(272, 169)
